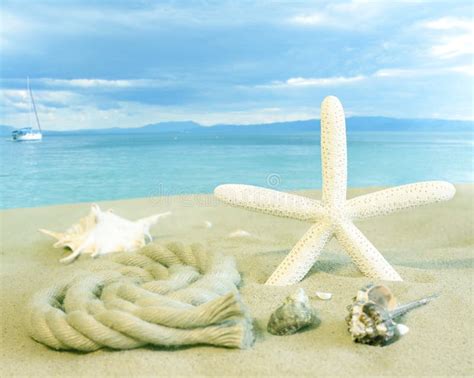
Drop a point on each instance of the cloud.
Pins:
(322, 82)
(309, 19)
(396, 72)
(467, 69)
(314, 82)
(454, 37)
(449, 23)
(136, 114)
(431, 71)
(342, 15)
(182, 60)
(88, 83)
(17, 100)
(98, 83)
(335, 81)
(454, 46)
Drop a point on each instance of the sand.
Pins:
(431, 247)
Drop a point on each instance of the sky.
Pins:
(97, 64)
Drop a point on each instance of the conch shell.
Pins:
(102, 232)
(372, 313)
(294, 314)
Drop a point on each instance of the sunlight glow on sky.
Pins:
(96, 64)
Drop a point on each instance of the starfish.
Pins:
(333, 216)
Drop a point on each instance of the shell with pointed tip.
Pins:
(294, 314)
(102, 232)
(369, 320)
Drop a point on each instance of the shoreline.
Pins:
(310, 192)
(431, 247)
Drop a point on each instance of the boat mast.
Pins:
(34, 105)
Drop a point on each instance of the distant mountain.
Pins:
(352, 123)
(312, 125)
(309, 125)
(161, 127)
(400, 124)
(165, 127)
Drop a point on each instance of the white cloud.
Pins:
(453, 37)
(309, 19)
(450, 47)
(467, 69)
(399, 72)
(314, 82)
(55, 85)
(99, 83)
(130, 114)
(412, 72)
(302, 82)
(449, 23)
(342, 15)
(14, 101)
(323, 82)
(41, 95)
(87, 83)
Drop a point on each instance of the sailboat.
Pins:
(27, 133)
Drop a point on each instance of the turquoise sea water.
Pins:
(68, 169)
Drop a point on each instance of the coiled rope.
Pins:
(161, 295)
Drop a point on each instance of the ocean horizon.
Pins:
(84, 168)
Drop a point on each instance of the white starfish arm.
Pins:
(399, 198)
(333, 152)
(369, 261)
(270, 201)
(302, 257)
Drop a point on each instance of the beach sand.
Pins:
(431, 247)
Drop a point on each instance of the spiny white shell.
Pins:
(102, 232)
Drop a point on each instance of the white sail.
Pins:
(27, 133)
(34, 105)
